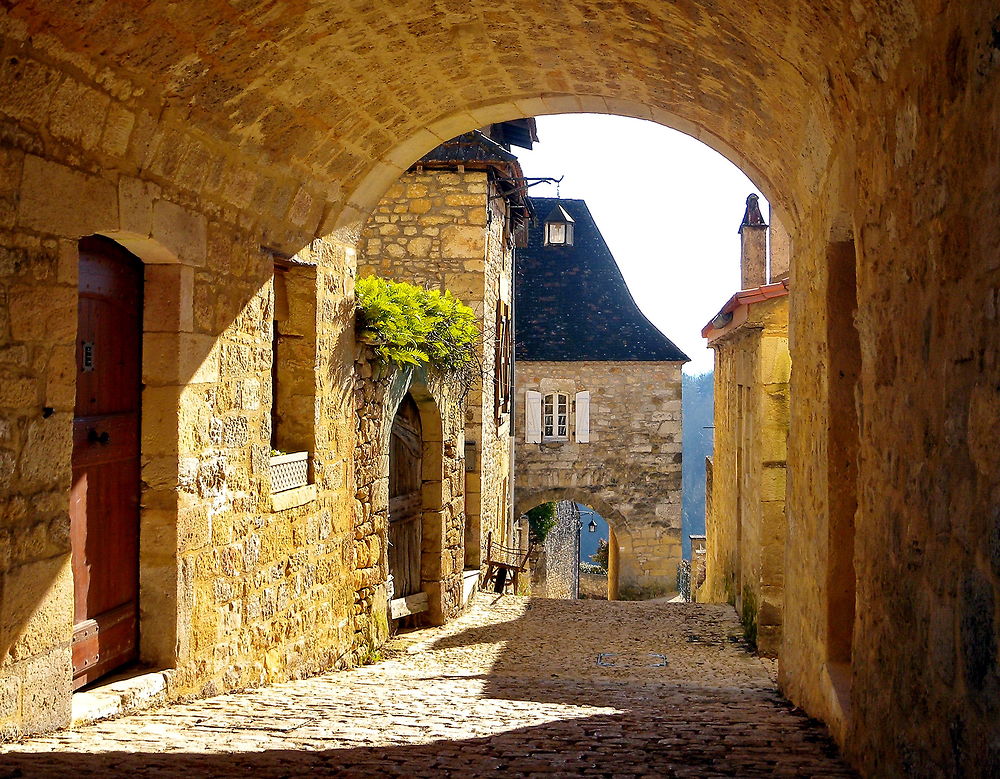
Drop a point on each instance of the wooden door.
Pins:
(104, 502)
(405, 504)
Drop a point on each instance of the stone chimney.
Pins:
(753, 246)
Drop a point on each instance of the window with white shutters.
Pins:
(555, 417)
(583, 417)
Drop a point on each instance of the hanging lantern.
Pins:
(592, 526)
(559, 228)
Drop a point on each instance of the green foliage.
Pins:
(600, 557)
(408, 325)
(541, 519)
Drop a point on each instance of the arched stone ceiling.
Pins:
(350, 92)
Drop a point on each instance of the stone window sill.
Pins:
(293, 498)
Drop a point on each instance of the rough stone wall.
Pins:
(745, 529)
(269, 598)
(233, 592)
(594, 586)
(556, 572)
(629, 472)
(440, 229)
(924, 673)
(441, 399)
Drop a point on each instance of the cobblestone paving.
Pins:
(518, 687)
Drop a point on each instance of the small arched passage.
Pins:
(619, 540)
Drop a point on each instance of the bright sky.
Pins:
(667, 205)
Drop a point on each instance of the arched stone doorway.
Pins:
(415, 548)
(139, 559)
(405, 503)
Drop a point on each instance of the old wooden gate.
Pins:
(405, 504)
(104, 502)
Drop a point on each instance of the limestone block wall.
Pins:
(594, 586)
(556, 570)
(913, 282)
(234, 592)
(379, 389)
(745, 527)
(442, 230)
(629, 472)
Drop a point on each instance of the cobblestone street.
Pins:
(515, 688)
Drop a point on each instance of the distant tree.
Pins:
(541, 519)
(600, 557)
(698, 409)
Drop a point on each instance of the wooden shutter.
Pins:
(583, 417)
(532, 416)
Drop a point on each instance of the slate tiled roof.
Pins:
(469, 148)
(571, 302)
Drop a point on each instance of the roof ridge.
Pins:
(573, 303)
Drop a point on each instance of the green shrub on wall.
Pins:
(408, 325)
(541, 519)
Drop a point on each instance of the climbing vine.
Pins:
(409, 325)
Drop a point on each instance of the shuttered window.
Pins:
(503, 379)
(532, 416)
(555, 417)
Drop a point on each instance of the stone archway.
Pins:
(420, 408)
(363, 199)
(625, 566)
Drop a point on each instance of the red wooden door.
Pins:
(104, 502)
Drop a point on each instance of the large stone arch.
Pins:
(344, 100)
(360, 201)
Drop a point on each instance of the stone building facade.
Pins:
(196, 133)
(746, 526)
(450, 223)
(598, 397)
